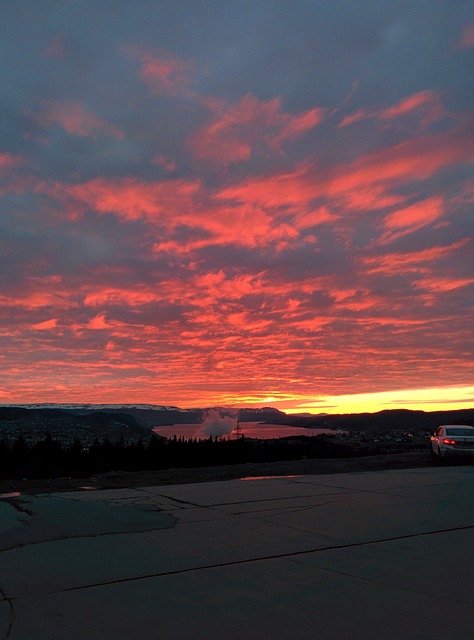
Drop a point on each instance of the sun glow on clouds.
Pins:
(182, 225)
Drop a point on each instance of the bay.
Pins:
(258, 430)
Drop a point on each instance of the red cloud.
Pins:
(77, 121)
(235, 131)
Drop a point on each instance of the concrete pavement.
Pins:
(370, 556)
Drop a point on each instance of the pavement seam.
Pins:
(233, 563)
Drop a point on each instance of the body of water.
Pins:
(248, 429)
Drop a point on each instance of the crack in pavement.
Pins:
(386, 583)
(388, 492)
(216, 506)
(233, 563)
(279, 511)
(86, 535)
(8, 600)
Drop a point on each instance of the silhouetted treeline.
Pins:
(48, 458)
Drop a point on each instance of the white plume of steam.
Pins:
(218, 422)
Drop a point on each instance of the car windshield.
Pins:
(459, 431)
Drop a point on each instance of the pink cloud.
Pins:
(39, 300)
(236, 131)
(165, 162)
(126, 297)
(173, 203)
(77, 121)
(425, 104)
(411, 219)
(47, 324)
(163, 72)
(314, 217)
(391, 263)
(467, 36)
(370, 198)
(8, 161)
(412, 160)
(128, 198)
(56, 48)
(98, 322)
(407, 105)
(361, 114)
(298, 125)
(443, 284)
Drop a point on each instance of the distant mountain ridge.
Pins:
(147, 415)
(137, 420)
(404, 419)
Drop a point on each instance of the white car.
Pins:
(452, 440)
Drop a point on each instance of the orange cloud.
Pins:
(77, 121)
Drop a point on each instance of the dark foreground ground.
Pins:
(118, 479)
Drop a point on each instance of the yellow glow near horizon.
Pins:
(433, 399)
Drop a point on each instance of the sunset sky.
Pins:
(265, 203)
